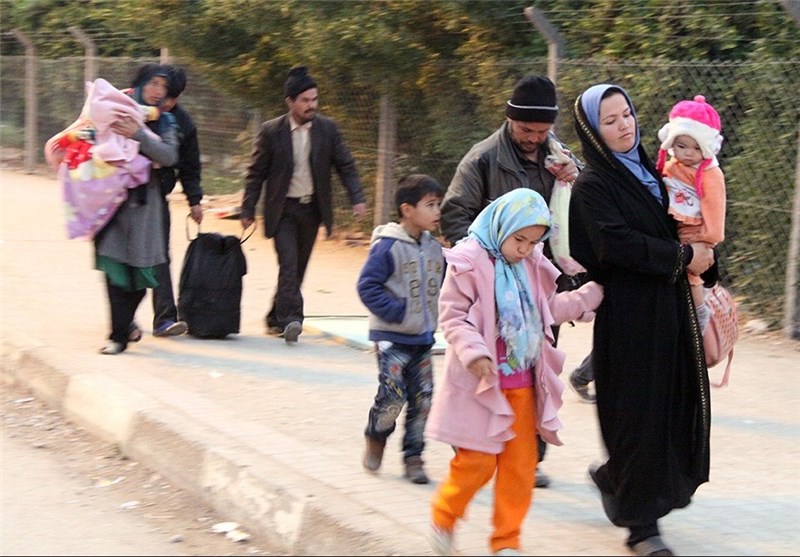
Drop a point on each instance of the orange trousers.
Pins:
(513, 485)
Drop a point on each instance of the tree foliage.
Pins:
(455, 59)
(402, 46)
(458, 59)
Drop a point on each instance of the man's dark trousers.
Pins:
(294, 239)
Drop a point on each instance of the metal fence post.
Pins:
(792, 307)
(792, 7)
(384, 185)
(31, 103)
(89, 53)
(254, 126)
(555, 43)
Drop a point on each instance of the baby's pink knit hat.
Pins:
(698, 120)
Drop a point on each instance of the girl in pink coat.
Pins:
(500, 386)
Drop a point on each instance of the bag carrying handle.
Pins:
(725, 377)
(242, 237)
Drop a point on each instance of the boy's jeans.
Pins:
(405, 375)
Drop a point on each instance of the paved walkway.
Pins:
(272, 434)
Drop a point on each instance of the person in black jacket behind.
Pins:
(165, 313)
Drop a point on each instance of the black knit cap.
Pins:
(298, 81)
(533, 100)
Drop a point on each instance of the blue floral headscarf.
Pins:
(519, 321)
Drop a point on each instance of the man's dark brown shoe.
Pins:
(414, 470)
(373, 454)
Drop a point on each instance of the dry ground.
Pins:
(109, 477)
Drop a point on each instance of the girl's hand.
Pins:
(480, 368)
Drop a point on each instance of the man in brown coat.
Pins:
(292, 160)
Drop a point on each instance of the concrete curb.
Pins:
(236, 480)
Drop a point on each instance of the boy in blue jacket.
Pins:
(399, 284)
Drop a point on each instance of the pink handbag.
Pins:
(722, 330)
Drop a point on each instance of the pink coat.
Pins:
(476, 415)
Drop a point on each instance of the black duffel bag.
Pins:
(210, 288)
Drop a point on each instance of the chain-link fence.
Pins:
(758, 104)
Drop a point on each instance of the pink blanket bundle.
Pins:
(96, 167)
(92, 201)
